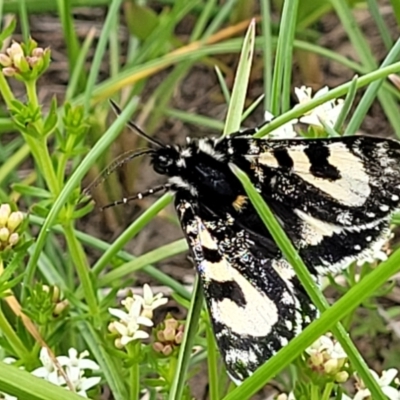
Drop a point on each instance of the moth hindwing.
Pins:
(333, 197)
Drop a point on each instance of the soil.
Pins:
(199, 92)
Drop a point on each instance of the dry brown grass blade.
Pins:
(31, 328)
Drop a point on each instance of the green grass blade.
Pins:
(154, 256)
(283, 58)
(76, 72)
(360, 45)
(187, 344)
(240, 85)
(371, 92)
(380, 23)
(26, 386)
(195, 119)
(268, 47)
(100, 50)
(348, 102)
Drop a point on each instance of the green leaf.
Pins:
(236, 105)
(27, 387)
(28, 190)
(8, 30)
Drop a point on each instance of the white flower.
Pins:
(150, 302)
(284, 396)
(82, 384)
(325, 344)
(384, 382)
(285, 131)
(129, 325)
(328, 112)
(74, 363)
(48, 371)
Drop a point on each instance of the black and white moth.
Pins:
(333, 197)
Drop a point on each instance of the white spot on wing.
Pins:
(256, 318)
(315, 230)
(178, 182)
(206, 147)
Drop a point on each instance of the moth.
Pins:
(333, 197)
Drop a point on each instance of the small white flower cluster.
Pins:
(75, 366)
(327, 356)
(139, 311)
(387, 382)
(327, 112)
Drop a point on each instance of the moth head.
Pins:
(166, 161)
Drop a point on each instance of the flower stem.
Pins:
(9, 332)
(133, 351)
(5, 90)
(79, 260)
(327, 391)
(12, 337)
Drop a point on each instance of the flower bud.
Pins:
(179, 337)
(60, 307)
(15, 50)
(5, 61)
(167, 350)
(13, 239)
(171, 323)
(14, 220)
(9, 71)
(111, 327)
(4, 234)
(158, 347)
(169, 334)
(5, 211)
(341, 377)
(56, 294)
(316, 359)
(38, 52)
(331, 366)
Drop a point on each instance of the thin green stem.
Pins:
(326, 395)
(5, 91)
(24, 22)
(134, 372)
(30, 86)
(12, 338)
(13, 161)
(79, 259)
(193, 317)
(212, 363)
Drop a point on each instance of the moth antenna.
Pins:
(136, 128)
(117, 163)
(138, 196)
